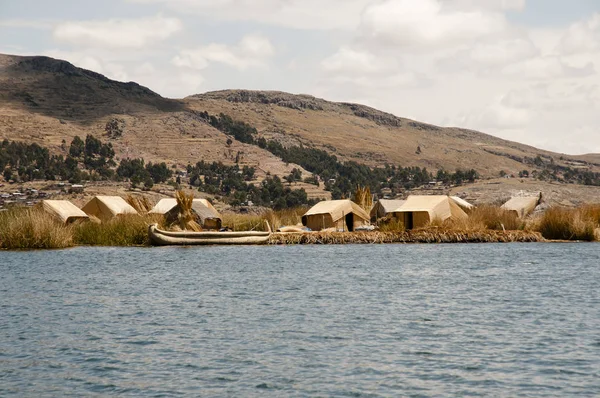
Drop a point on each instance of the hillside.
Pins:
(46, 101)
(369, 136)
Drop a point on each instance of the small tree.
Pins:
(7, 174)
(77, 147)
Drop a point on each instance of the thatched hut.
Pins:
(108, 207)
(383, 207)
(64, 211)
(339, 214)
(418, 211)
(204, 212)
(522, 206)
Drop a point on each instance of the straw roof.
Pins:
(337, 209)
(463, 204)
(390, 205)
(106, 207)
(164, 205)
(385, 206)
(437, 206)
(64, 210)
(523, 206)
(201, 206)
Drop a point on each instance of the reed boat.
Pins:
(159, 237)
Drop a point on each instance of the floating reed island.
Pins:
(419, 236)
(113, 221)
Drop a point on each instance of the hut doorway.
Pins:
(350, 222)
(409, 220)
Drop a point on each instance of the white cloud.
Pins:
(352, 61)
(485, 4)
(251, 51)
(297, 14)
(174, 84)
(117, 33)
(583, 36)
(26, 23)
(544, 68)
(425, 24)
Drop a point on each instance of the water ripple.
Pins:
(339, 321)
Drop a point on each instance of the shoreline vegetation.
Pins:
(32, 228)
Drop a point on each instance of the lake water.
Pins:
(339, 321)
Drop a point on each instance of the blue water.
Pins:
(340, 321)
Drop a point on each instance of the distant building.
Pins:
(76, 188)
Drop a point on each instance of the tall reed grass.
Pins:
(568, 224)
(32, 228)
(488, 217)
(391, 224)
(124, 230)
(256, 222)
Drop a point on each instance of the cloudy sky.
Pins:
(525, 70)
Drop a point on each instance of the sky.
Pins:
(524, 70)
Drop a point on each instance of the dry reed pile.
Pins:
(186, 218)
(417, 236)
(141, 204)
(363, 198)
(25, 228)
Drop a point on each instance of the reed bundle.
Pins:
(141, 204)
(363, 198)
(186, 218)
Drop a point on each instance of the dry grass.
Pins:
(285, 217)
(391, 225)
(591, 212)
(243, 222)
(22, 228)
(568, 224)
(256, 222)
(493, 218)
(124, 230)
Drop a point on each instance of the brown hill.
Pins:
(364, 134)
(46, 101)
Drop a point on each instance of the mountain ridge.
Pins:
(45, 100)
